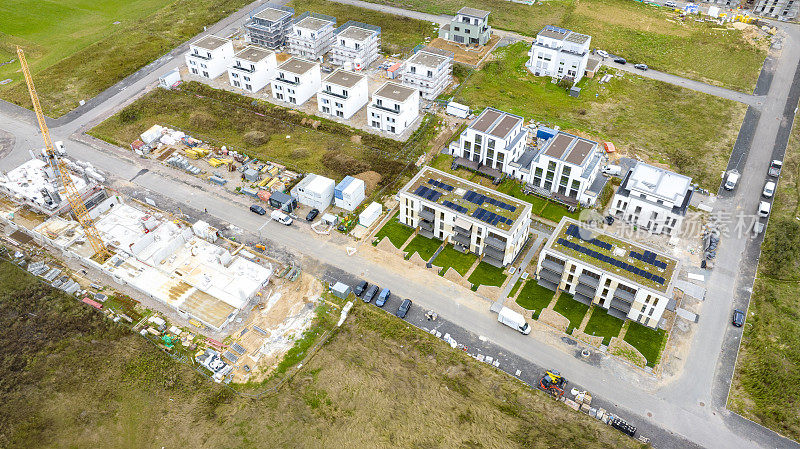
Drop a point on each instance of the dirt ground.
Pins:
(466, 54)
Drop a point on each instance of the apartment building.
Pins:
(653, 198)
(269, 26)
(494, 139)
(429, 71)
(566, 168)
(356, 43)
(209, 56)
(253, 68)
(778, 9)
(342, 94)
(559, 53)
(311, 36)
(469, 26)
(628, 279)
(393, 108)
(297, 80)
(473, 218)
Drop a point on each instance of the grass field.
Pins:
(634, 30)
(461, 262)
(648, 341)
(76, 50)
(70, 378)
(604, 325)
(424, 246)
(572, 310)
(766, 383)
(646, 118)
(534, 297)
(515, 288)
(395, 231)
(398, 34)
(485, 274)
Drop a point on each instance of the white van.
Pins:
(612, 170)
(59, 147)
(731, 180)
(514, 320)
(280, 217)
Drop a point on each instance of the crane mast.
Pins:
(58, 166)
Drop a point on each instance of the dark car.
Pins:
(402, 311)
(620, 61)
(383, 297)
(360, 288)
(255, 208)
(775, 168)
(312, 215)
(640, 66)
(738, 318)
(371, 292)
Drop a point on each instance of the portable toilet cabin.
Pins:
(349, 193)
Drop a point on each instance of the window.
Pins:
(430, 74)
(252, 67)
(392, 129)
(358, 46)
(344, 92)
(247, 78)
(326, 109)
(292, 100)
(379, 102)
(206, 74)
(248, 86)
(339, 105)
(326, 101)
(194, 70)
(339, 114)
(235, 75)
(296, 79)
(413, 69)
(376, 124)
(236, 84)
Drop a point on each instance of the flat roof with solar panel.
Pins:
(467, 198)
(632, 261)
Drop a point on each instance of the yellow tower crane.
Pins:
(72, 194)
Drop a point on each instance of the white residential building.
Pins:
(297, 81)
(209, 56)
(559, 53)
(269, 26)
(628, 279)
(429, 71)
(471, 217)
(311, 36)
(342, 94)
(356, 43)
(778, 9)
(393, 108)
(653, 198)
(494, 139)
(253, 68)
(469, 26)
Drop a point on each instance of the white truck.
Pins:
(281, 218)
(514, 320)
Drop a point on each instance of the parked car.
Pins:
(763, 209)
(312, 215)
(642, 67)
(670, 4)
(281, 218)
(255, 208)
(758, 228)
(738, 318)
(383, 297)
(769, 189)
(620, 61)
(731, 180)
(360, 288)
(405, 306)
(371, 291)
(602, 53)
(775, 168)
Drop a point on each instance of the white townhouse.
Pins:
(311, 36)
(356, 43)
(342, 94)
(393, 108)
(653, 198)
(252, 69)
(297, 81)
(559, 53)
(429, 71)
(494, 139)
(209, 56)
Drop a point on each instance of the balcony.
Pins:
(618, 313)
(585, 290)
(287, 81)
(580, 297)
(458, 228)
(624, 295)
(497, 254)
(426, 233)
(426, 214)
(199, 56)
(463, 239)
(385, 109)
(589, 281)
(426, 225)
(243, 69)
(548, 284)
(493, 261)
(495, 242)
(544, 273)
(334, 94)
(620, 305)
(552, 266)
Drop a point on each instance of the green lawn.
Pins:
(604, 325)
(76, 50)
(398, 34)
(648, 341)
(534, 297)
(572, 310)
(485, 274)
(642, 117)
(515, 288)
(449, 257)
(423, 245)
(397, 232)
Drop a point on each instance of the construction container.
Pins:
(218, 181)
(349, 193)
(341, 290)
(250, 192)
(370, 214)
(314, 191)
(283, 201)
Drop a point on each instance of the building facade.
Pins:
(209, 56)
(778, 9)
(342, 94)
(473, 218)
(653, 198)
(253, 68)
(356, 43)
(430, 71)
(469, 26)
(495, 139)
(311, 36)
(393, 108)
(269, 26)
(559, 53)
(629, 280)
(297, 80)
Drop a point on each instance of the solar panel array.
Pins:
(477, 198)
(441, 185)
(490, 217)
(608, 259)
(428, 194)
(455, 207)
(575, 232)
(649, 257)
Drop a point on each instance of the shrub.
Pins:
(255, 138)
(129, 115)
